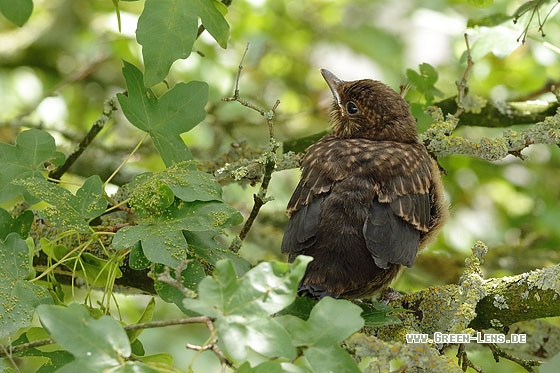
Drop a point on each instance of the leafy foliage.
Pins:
(26, 159)
(17, 12)
(168, 228)
(18, 296)
(164, 119)
(168, 29)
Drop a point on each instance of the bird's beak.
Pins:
(333, 83)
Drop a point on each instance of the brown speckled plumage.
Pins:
(370, 197)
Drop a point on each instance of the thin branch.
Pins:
(146, 325)
(463, 360)
(462, 84)
(497, 352)
(268, 158)
(109, 107)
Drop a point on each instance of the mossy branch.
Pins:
(441, 142)
(470, 306)
(477, 303)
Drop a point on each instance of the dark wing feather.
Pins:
(389, 238)
(301, 231)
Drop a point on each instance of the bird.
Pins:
(369, 198)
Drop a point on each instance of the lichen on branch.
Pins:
(440, 141)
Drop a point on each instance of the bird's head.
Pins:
(369, 109)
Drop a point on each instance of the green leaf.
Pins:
(301, 307)
(167, 30)
(20, 225)
(242, 306)
(18, 297)
(272, 367)
(137, 260)
(96, 343)
(151, 198)
(378, 314)
(26, 159)
(237, 334)
(55, 358)
(330, 358)
(16, 11)
(425, 81)
(480, 3)
(152, 193)
(208, 250)
(146, 316)
(177, 111)
(489, 21)
(330, 322)
(551, 365)
(161, 236)
(501, 41)
(265, 289)
(68, 211)
(190, 278)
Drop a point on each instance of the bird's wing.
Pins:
(389, 238)
(399, 177)
(400, 213)
(304, 207)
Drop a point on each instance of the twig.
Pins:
(269, 158)
(462, 84)
(528, 365)
(463, 360)
(212, 344)
(146, 325)
(177, 282)
(109, 107)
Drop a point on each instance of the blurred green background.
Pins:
(58, 69)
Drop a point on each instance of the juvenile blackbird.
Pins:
(370, 196)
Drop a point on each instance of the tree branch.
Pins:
(476, 303)
(109, 107)
(268, 158)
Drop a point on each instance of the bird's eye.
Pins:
(351, 108)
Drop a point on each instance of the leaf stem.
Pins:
(125, 161)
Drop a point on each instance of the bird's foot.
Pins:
(389, 294)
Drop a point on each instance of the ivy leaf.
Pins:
(162, 237)
(17, 12)
(242, 306)
(18, 297)
(20, 225)
(68, 211)
(26, 159)
(97, 344)
(167, 30)
(177, 111)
